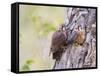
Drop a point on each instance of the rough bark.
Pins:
(80, 56)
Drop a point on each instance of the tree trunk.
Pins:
(75, 55)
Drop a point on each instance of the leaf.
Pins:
(25, 67)
(29, 62)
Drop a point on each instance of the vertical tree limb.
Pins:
(79, 56)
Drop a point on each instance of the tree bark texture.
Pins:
(80, 56)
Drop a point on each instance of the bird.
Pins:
(76, 36)
(58, 42)
(80, 37)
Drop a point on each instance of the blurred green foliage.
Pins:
(37, 23)
(46, 19)
(26, 66)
